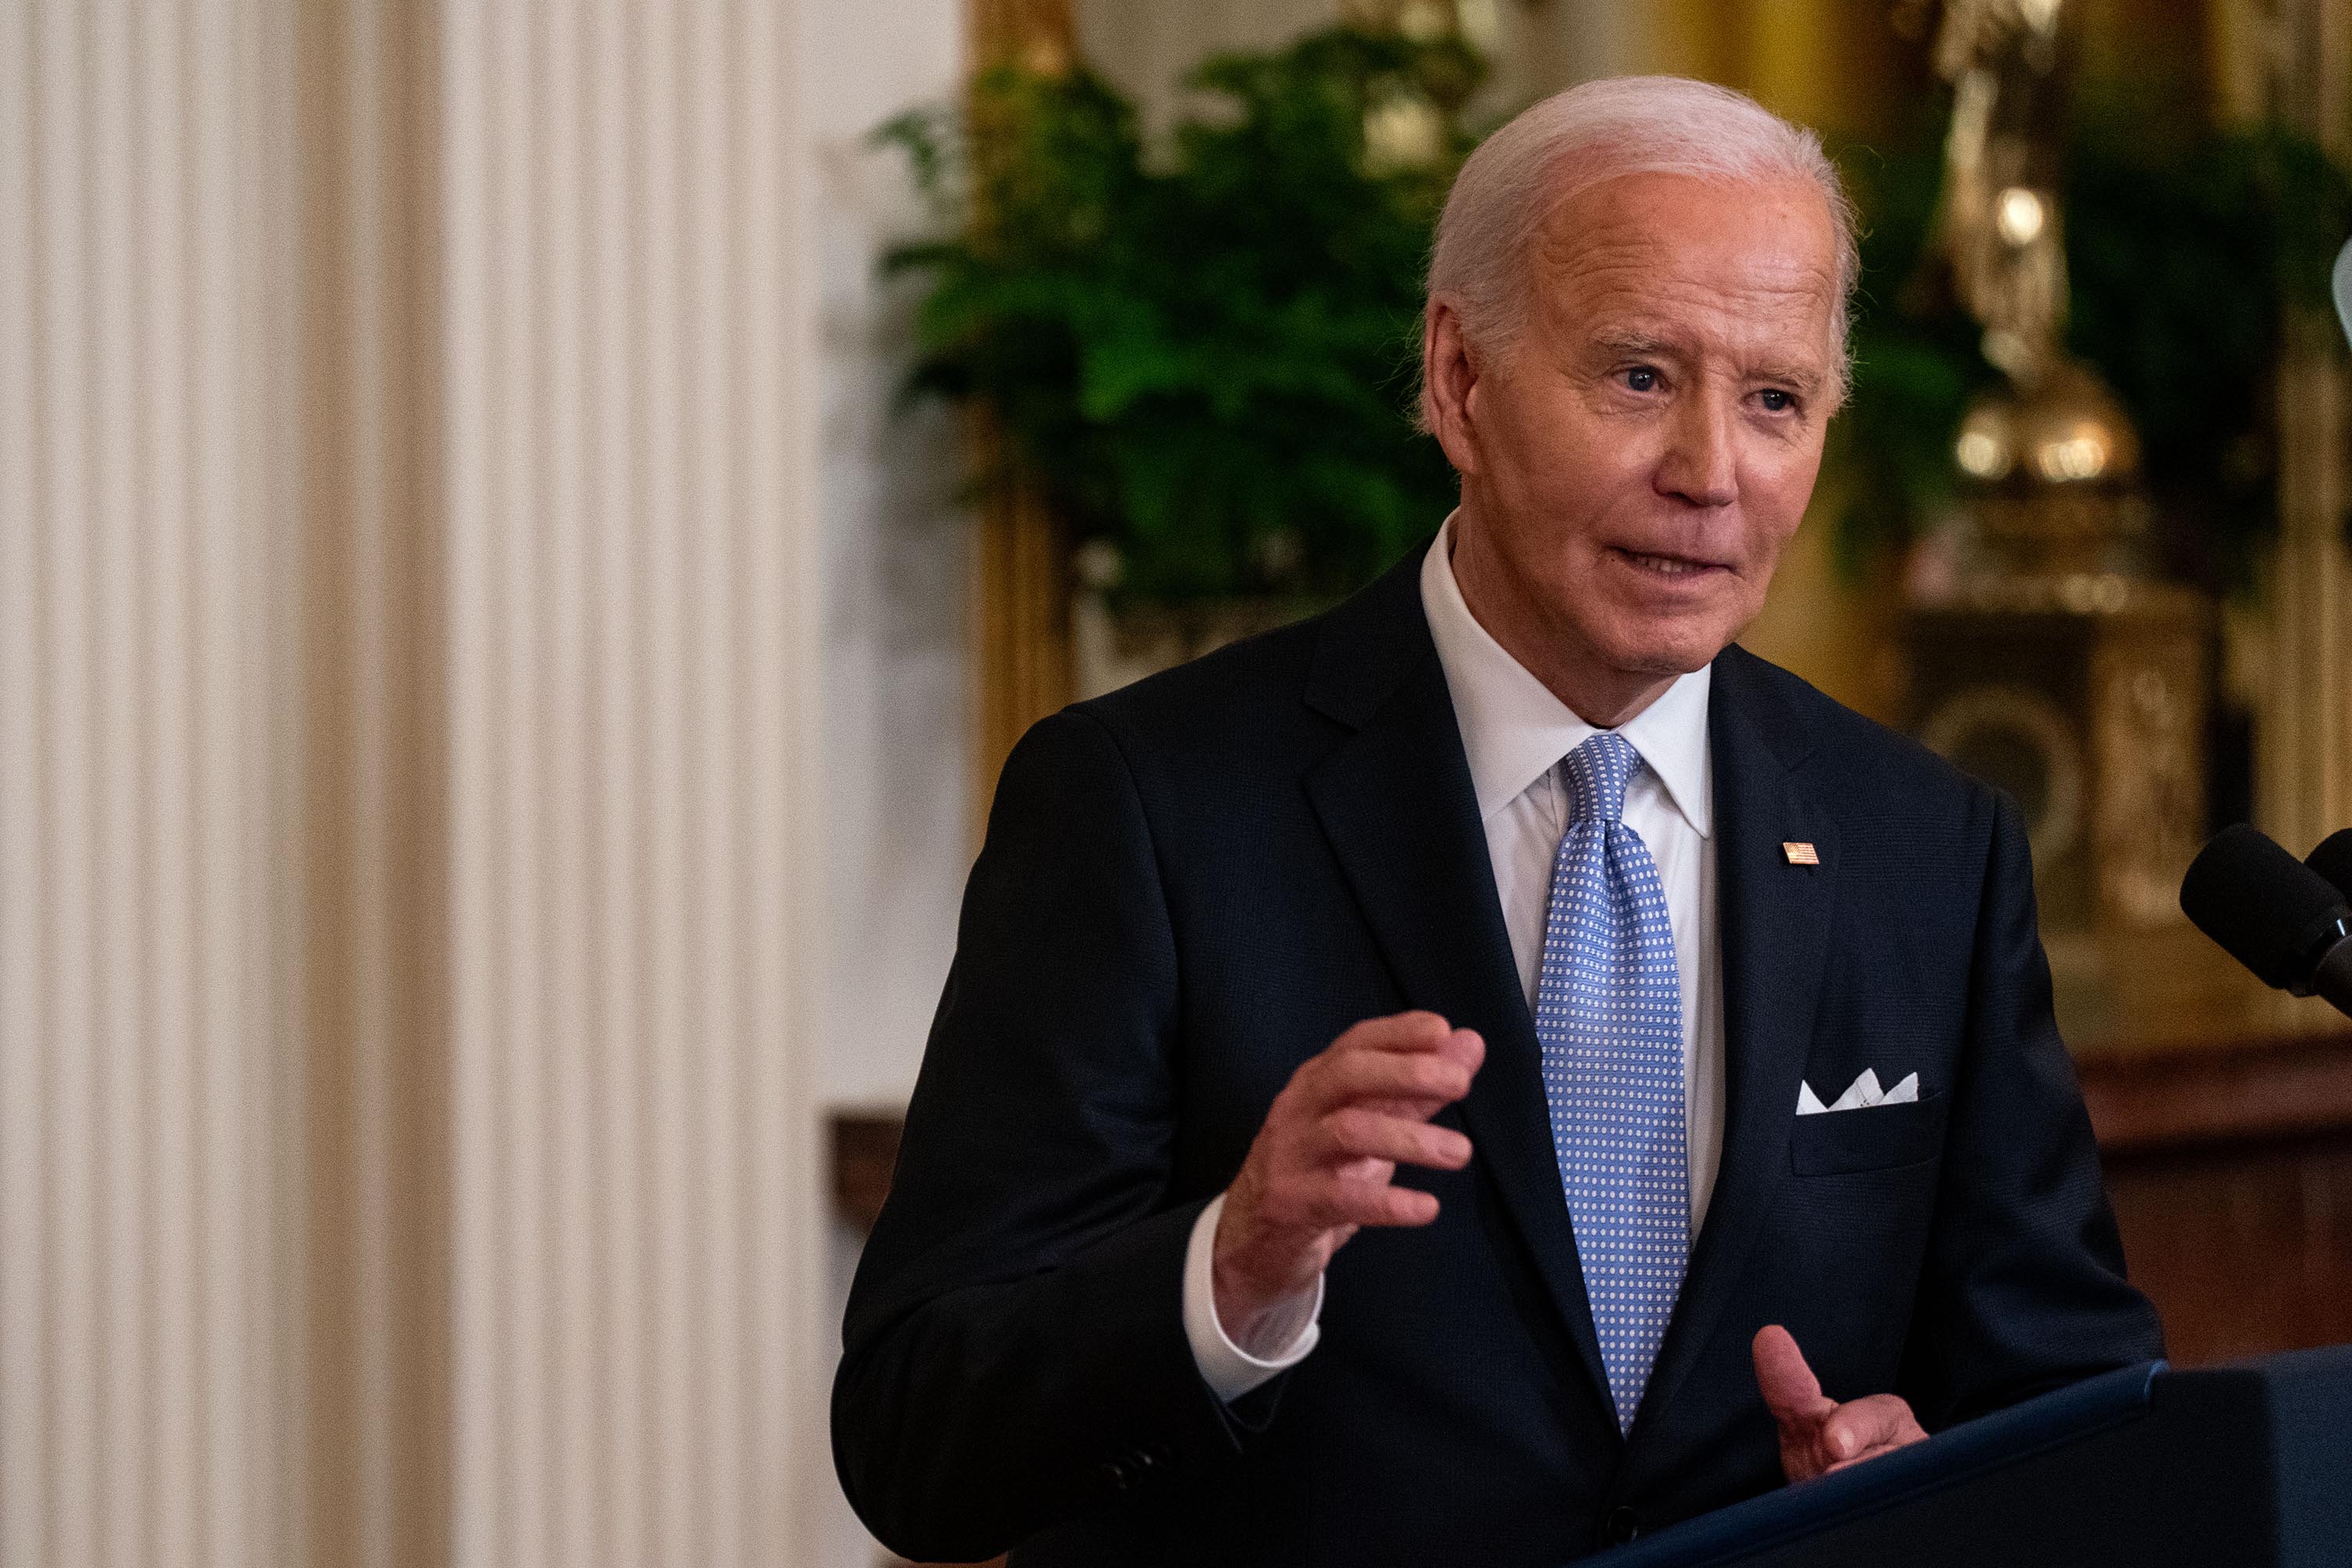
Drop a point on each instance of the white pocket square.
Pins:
(1860, 1095)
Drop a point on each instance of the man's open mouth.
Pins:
(1670, 565)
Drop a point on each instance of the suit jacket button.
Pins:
(1621, 1526)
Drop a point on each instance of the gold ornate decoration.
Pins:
(2059, 668)
(1040, 34)
(2019, 732)
(1998, 218)
(2052, 468)
(1022, 588)
(1022, 595)
(2303, 766)
(2052, 462)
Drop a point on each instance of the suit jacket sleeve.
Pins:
(1015, 1345)
(2024, 1289)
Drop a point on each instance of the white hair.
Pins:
(1598, 131)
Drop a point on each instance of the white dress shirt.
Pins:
(1515, 732)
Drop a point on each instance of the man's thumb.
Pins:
(1790, 1389)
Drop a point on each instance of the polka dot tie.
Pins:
(1609, 1018)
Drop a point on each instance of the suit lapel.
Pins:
(1774, 921)
(1396, 801)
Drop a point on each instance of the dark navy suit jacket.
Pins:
(1192, 886)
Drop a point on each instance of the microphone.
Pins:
(2274, 914)
(2333, 860)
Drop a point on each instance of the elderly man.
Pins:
(1496, 1068)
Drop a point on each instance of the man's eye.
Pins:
(1642, 378)
(1776, 401)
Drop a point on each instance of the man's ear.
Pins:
(1449, 384)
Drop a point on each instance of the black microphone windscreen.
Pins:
(2260, 904)
(2332, 859)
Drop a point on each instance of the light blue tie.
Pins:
(1609, 1018)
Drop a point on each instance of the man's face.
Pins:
(1636, 465)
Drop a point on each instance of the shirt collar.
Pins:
(1513, 729)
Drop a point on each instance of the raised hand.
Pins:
(1819, 1435)
(1322, 1165)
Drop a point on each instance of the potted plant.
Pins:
(1201, 354)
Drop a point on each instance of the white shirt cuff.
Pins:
(1282, 1340)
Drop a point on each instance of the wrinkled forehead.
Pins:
(1671, 256)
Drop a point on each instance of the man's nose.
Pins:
(1698, 465)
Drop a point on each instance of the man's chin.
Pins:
(1666, 655)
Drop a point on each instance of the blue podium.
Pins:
(2148, 1468)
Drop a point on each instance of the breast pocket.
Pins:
(1876, 1138)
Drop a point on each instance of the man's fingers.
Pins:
(1410, 1064)
(1817, 1433)
(1466, 1046)
(1790, 1389)
(1337, 1201)
(1350, 1077)
(1321, 1164)
(1416, 1031)
(1357, 1132)
(1864, 1427)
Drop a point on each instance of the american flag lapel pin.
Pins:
(1801, 853)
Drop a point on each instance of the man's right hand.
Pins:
(1321, 1166)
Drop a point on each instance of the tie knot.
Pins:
(1597, 773)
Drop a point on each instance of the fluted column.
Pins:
(146, 950)
(631, 678)
(410, 840)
